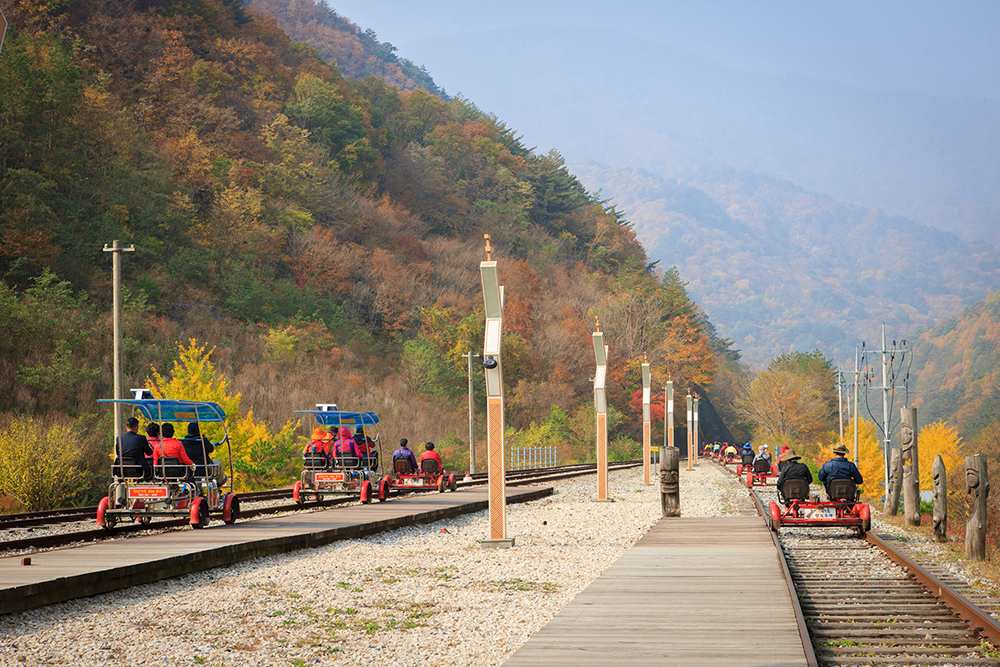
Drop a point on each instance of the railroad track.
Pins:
(865, 602)
(86, 514)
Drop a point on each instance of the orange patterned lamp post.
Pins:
(493, 300)
(646, 384)
(601, 407)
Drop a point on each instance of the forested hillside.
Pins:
(300, 237)
(956, 369)
(778, 267)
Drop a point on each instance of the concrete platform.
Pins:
(65, 574)
(692, 591)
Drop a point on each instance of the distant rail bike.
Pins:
(327, 472)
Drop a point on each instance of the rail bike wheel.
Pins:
(230, 508)
(297, 492)
(452, 485)
(102, 508)
(366, 492)
(199, 513)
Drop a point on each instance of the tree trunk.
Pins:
(940, 522)
(977, 485)
(895, 482)
(670, 487)
(911, 466)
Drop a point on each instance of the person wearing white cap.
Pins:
(763, 455)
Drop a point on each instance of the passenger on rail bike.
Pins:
(345, 446)
(763, 455)
(839, 468)
(730, 450)
(134, 446)
(794, 469)
(783, 456)
(716, 447)
(319, 443)
(168, 445)
(153, 437)
(198, 447)
(404, 453)
(429, 453)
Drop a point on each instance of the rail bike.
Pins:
(430, 477)
(326, 473)
(171, 488)
(745, 463)
(760, 472)
(795, 507)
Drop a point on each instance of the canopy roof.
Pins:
(342, 417)
(155, 409)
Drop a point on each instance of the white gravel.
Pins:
(414, 596)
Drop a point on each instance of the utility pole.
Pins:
(116, 279)
(857, 377)
(840, 403)
(887, 442)
(472, 421)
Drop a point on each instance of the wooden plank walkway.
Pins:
(692, 591)
(64, 574)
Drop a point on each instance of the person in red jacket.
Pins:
(429, 453)
(170, 446)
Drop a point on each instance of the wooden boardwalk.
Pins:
(65, 574)
(692, 591)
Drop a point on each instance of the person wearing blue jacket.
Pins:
(839, 468)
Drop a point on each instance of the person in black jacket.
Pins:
(794, 469)
(134, 446)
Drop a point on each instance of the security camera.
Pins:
(490, 362)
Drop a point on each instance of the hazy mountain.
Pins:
(601, 96)
(781, 268)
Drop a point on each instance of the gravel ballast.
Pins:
(424, 595)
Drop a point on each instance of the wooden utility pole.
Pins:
(116, 279)
(472, 421)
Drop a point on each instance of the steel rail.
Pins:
(64, 539)
(800, 619)
(980, 621)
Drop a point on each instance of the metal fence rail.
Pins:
(525, 458)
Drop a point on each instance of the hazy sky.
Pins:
(947, 48)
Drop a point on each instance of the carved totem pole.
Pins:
(670, 488)
(940, 518)
(977, 485)
(895, 482)
(911, 466)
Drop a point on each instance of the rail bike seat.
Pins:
(747, 459)
(371, 461)
(171, 468)
(127, 468)
(314, 461)
(794, 489)
(430, 467)
(402, 467)
(842, 489)
(761, 466)
(347, 462)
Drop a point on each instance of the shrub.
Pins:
(39, 463)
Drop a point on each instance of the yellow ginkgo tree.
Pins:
(263, 458)
(933, 439)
